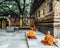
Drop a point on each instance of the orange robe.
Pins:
(48, 40)
(31, 34)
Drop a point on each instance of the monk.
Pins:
(31, 34)
(49, 40)
(34, 28)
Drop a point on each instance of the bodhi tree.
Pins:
(15, 7)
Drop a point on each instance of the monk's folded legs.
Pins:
(32, 37)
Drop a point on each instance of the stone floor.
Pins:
(12, 40)
(18, 40)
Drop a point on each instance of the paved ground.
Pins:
(18, 40)
(12, 40)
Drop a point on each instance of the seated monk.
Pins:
(49, 40)
(34, 28)
(31, 34)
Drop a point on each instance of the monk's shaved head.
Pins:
(48, 32)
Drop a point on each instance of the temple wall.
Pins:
(57, 19)
(45, 21)
(49, 21)
(44, 29)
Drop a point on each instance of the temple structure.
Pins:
(47, 16)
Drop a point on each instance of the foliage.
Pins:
(15, 7)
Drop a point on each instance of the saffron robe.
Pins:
(48, 40)
(31, 34)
